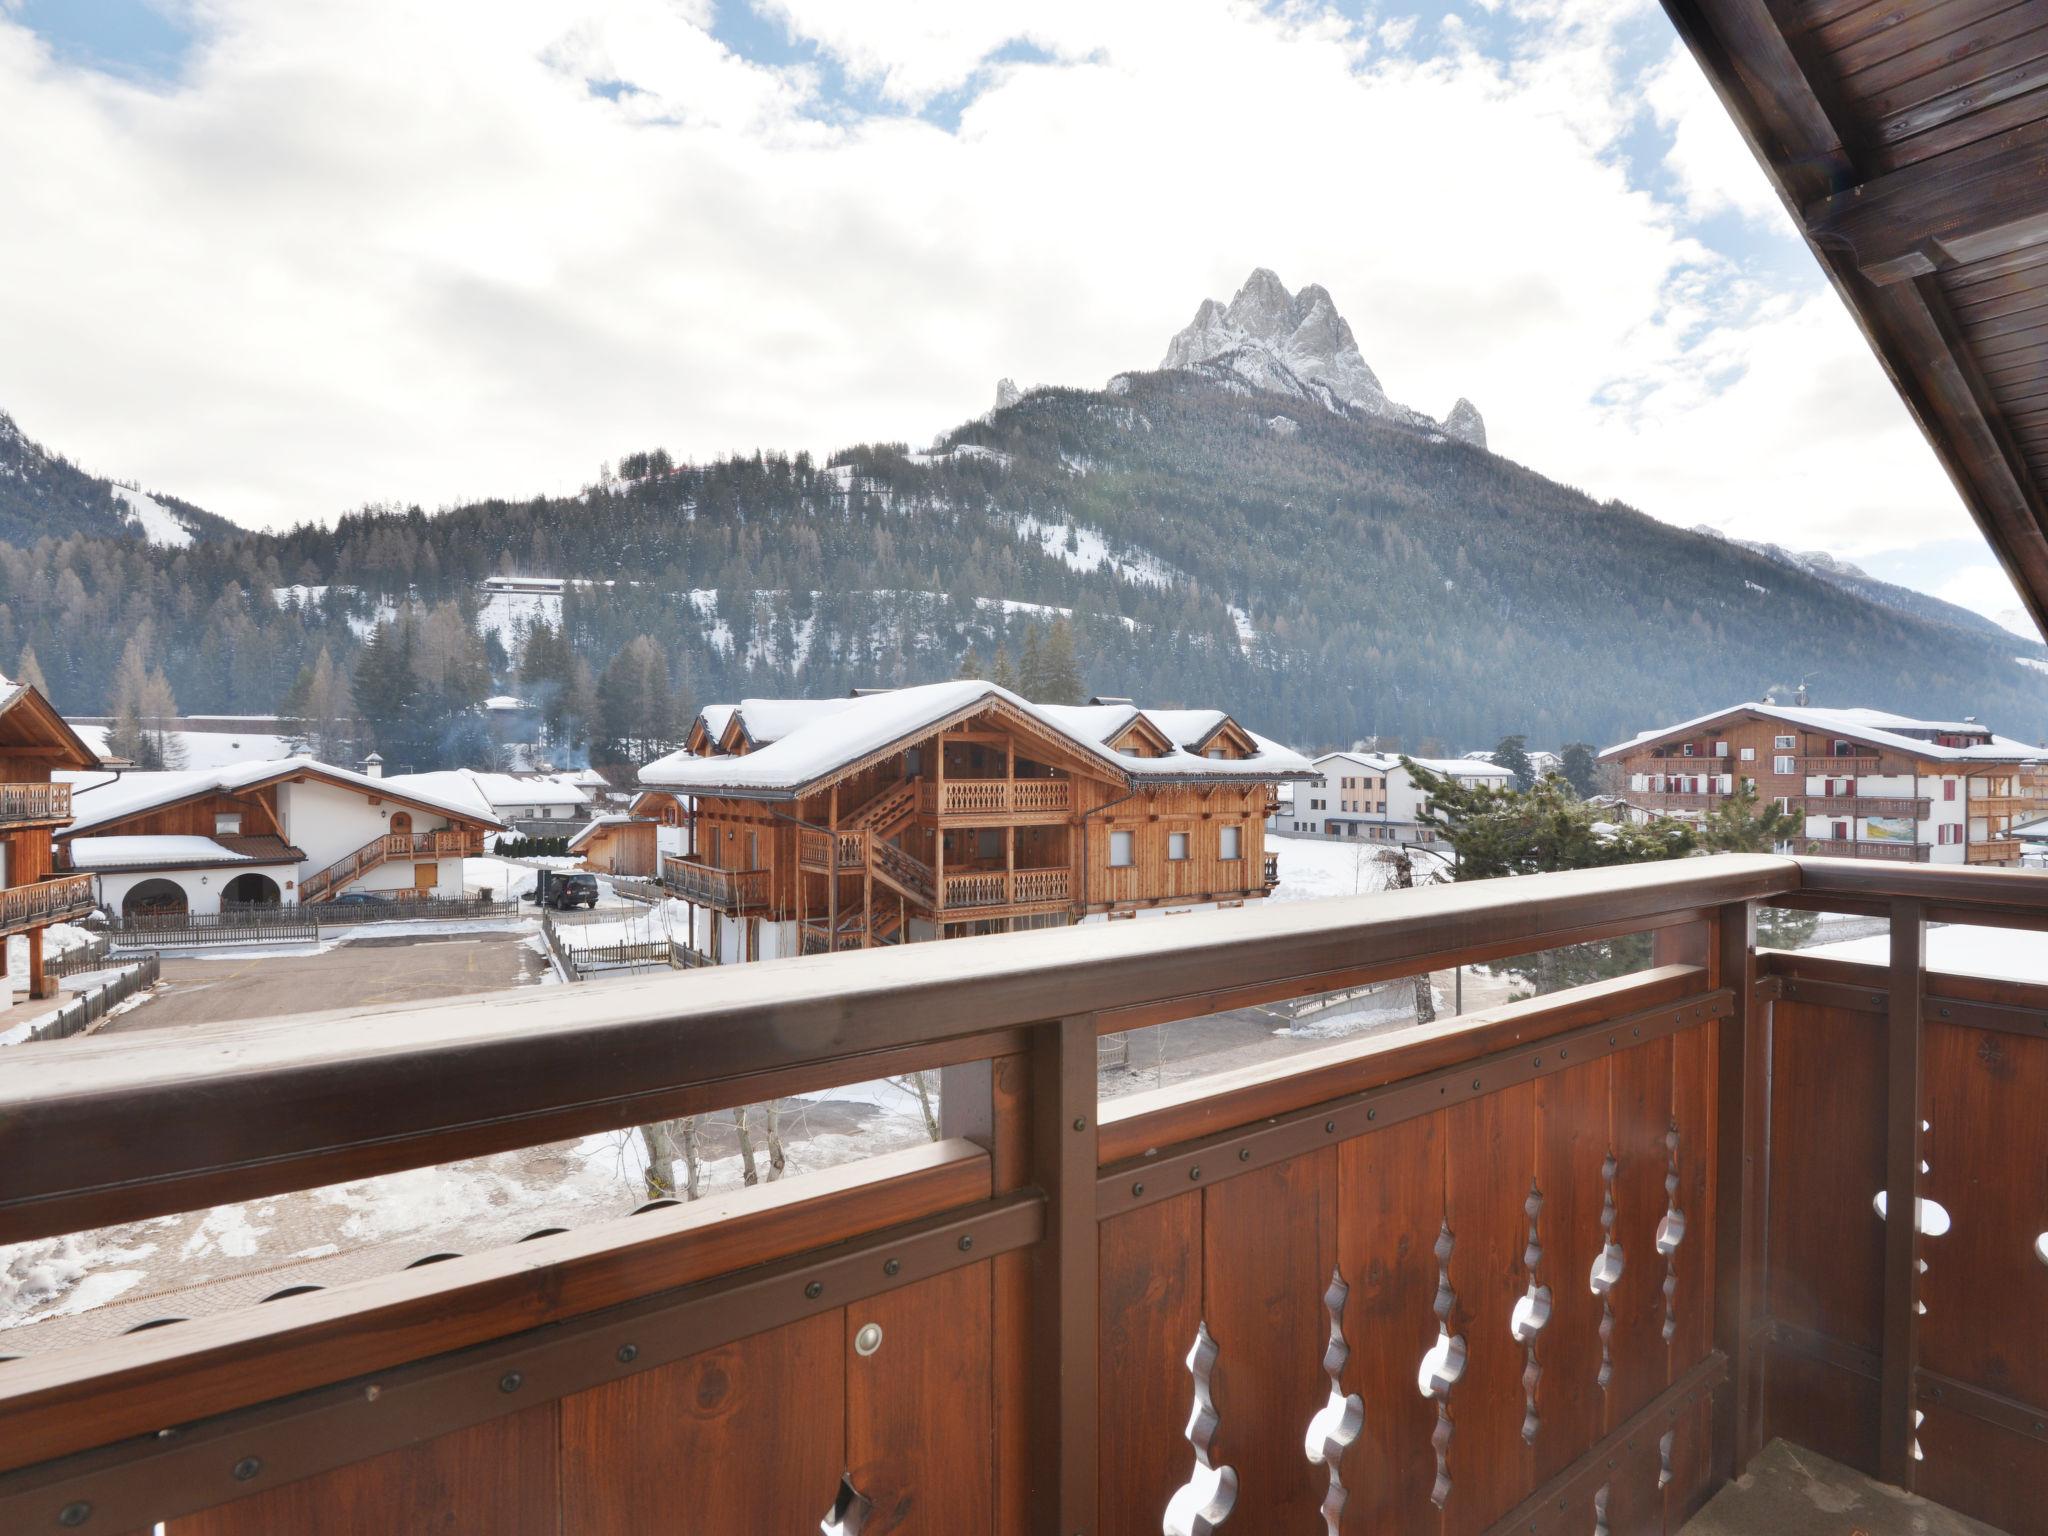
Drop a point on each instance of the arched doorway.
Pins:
(251, 890)
(154, 898)
(401, 823)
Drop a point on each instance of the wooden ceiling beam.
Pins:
(1985, 200)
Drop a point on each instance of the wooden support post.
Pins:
(40, 983)
(1063, 1279)
(1742, 1116)
(1902, 1195)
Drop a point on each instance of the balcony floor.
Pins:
(1791, 1491)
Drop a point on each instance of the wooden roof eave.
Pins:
(104, 828)
(1881, 237)
(55, 728)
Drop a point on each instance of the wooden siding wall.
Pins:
(257, 808)
(1986, 1285)
(623, 850)
(1153, 879)
(1759, 734)
(29, 857)
(23, 770)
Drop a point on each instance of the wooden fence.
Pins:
(75, 1015)
(197, 930)
(89, 956)
(1553, 1267)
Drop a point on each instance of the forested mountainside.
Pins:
(45, 496)
(1319, 575)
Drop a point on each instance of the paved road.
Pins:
(362, 971)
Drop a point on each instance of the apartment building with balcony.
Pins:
(955, 809)
(1867, 784)
(1370, 796)
(275, 833)
(35, 746)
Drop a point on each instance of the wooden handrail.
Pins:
(45, 901)
(365, 1094)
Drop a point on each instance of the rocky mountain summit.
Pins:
(1298, 345)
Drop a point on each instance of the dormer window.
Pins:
(227, 824)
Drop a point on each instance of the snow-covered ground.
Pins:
(1312, 869)
(2012, 954)
(156, 522)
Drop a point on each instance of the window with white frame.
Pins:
(1749, 754)
(1123, 849)
(1783, 765)
(1176, 846)
(1784, 743)
(1229, 843)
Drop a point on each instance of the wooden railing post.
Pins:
(1902, 1194)
(1063, 1280)
(1742, 1098)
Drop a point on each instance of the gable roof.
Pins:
(24, 704)
(836, 742)
(487, 791)
(1875, 727)
(1448, 767)
(105, 802)
(598, 824)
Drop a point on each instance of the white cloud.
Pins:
(391, 251)
(1987, 590)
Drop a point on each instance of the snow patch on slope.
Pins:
(1084, 549)
(156, 522)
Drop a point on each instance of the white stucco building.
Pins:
(1371, 797)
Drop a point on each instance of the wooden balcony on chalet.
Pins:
(1863, 805)
(966, 802)
(29, 804)
(1828, 766)
(731, 891)
(1673, 800)
(1997, 850)
(984, 890)
(1850, 848)
(42, 902)
(1012, 1328)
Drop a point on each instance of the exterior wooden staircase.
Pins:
(903, 872)
(325, 885)
(887, 813)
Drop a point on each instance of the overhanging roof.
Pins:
(1909, 141)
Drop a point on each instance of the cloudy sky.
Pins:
(288, 257)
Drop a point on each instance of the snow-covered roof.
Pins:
(492, 792)
(858, 729)
(1877, 727)
(156, 850)
(769, 720)
(96, 800)
(1448, 767)
(504, 701)
(598, 823)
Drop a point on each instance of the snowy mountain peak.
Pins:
(1007, 394)
(1466, 424)
(1297, 344)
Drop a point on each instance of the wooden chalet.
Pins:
(618, 845)
(1586, 1262)
(35, 743)
(1863, 783)
(281, 832)
(958, 809)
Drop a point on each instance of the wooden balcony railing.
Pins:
(998, 797)
(1849, 848)
(1864, 805)
(1014, 1327)
(1997, 850)
(42, 902)
(21, 803)
(997, 888)
(815, 849)
(1827, 766)
(729, 890)
(1272, 871)
(1674, 800)
(448, 842)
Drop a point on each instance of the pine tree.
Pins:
(159, 709)
(1580, 769)
(1001, 673)
(387, 691)
(1031, 678)
(127, 738)
(28, 671)
(1062, 672)
(1513, 755)
(970, 665)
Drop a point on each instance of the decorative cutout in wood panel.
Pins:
(1670, 1233)
(1442, 1365)
(2041, 1247)
(1606, 1274)
(1204, 1502)
(1530, 1313)
(1342, 1418)
(1600, 1525)
(1665, 1443)
(849, 1512)
(1934, 1218)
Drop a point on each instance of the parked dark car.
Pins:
(360, 899)
(563, 889)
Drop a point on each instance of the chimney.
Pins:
(373, 765)
(1799, 698)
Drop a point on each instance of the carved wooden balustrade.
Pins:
(34, 802)
(42, 902)
(729, 890)
(1007, 888)
(1554, 1267)
(997, 798)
